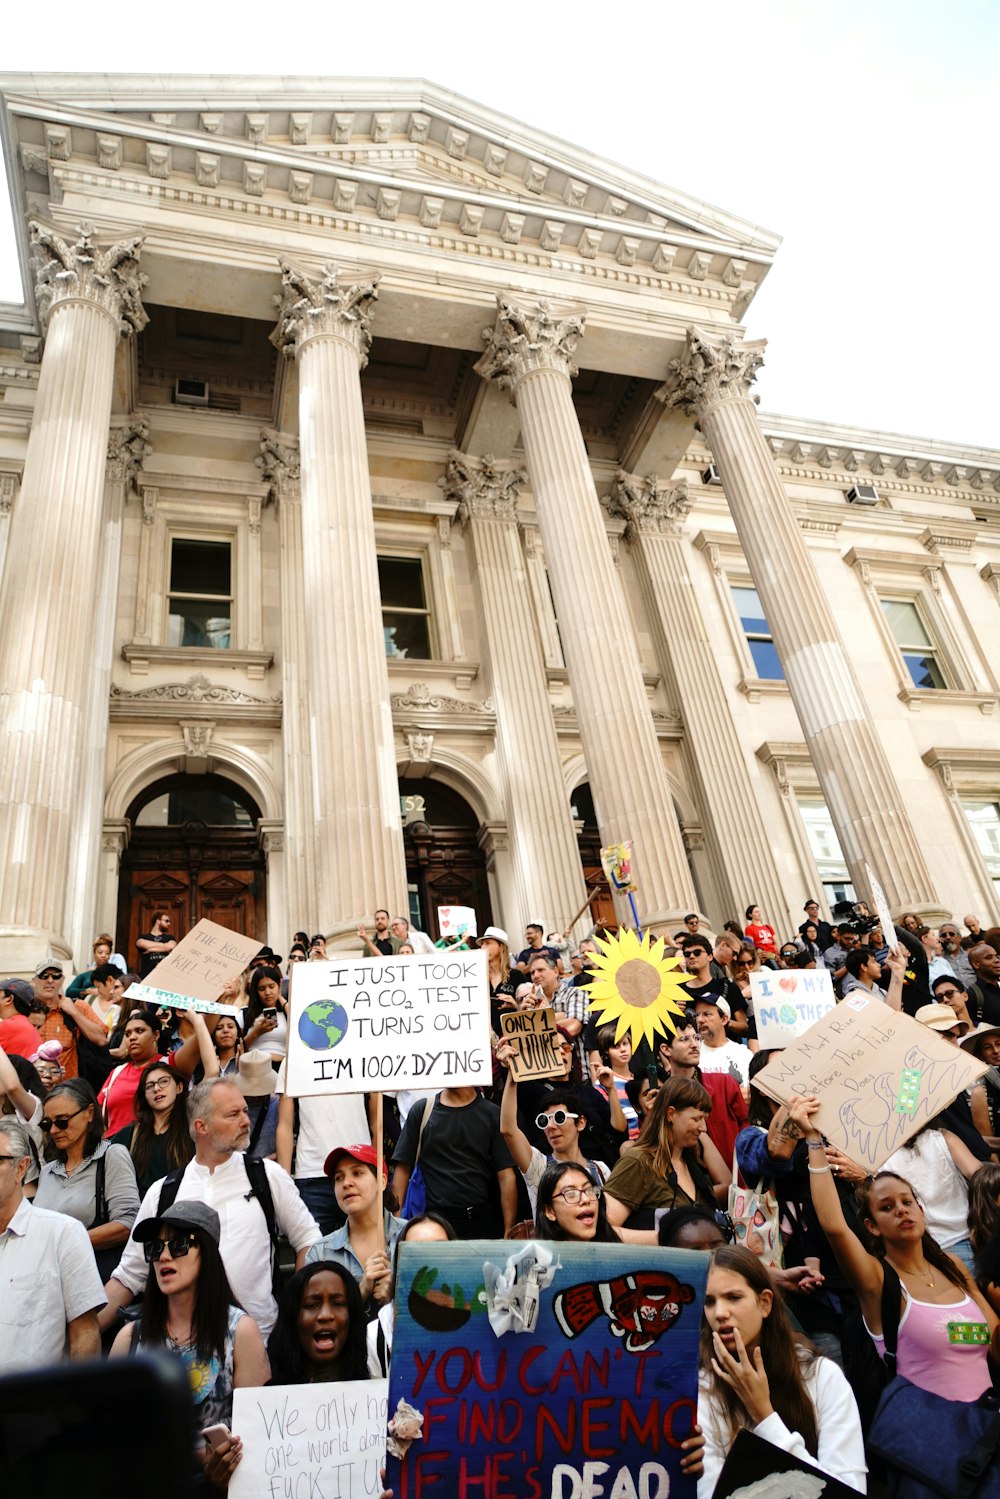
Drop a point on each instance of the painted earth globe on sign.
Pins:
(322, 1024)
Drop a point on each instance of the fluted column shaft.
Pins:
(48, 623)
(360, 864)
(279, 463)
(739, 846)
(547, 871)
(530, 351)
(712, 379)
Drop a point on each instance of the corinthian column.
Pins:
(547, 872)
(87, 298)
(279, 465)
(530, 351)
(739, 848)
(359, 842)
(712, 380)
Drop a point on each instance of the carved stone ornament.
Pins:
(526, 338)
(307, 308)
(417, 697)
(9, 485)
(420, 748)
(484, 488)
(712, 369)
(278, 462)
(650, 507)
(109, 278)
(128, 449)
(197, 689)
(197, 735)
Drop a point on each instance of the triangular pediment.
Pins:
(402, 152)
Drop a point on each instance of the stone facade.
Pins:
(471, 418)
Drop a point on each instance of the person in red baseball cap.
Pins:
(365, 1243)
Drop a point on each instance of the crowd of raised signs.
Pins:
(159, 1187)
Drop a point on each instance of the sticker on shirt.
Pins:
(968, 1332)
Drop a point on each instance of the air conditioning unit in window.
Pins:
(712, 476)
(861, 494)
(190, 392)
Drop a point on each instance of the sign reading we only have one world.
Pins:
(362, 1025)
(594, 1397)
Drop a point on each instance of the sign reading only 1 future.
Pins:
(362, 1025)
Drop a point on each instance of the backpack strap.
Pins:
(168, 1192)
(892, 1292)
(100, 1198)
(381, 1349)
(428, 1106)
(256, 1170)
(258, 1127)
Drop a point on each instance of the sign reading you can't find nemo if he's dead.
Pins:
(362, 1025)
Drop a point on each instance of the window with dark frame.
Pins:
(406, 620)
(200, 597)
(915, 644)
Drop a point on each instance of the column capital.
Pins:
(307, 309)
(713, 368)
(651, 507)
(83, 272)
(279, 464)
(128, 449)
(484, 488)
(527, 337)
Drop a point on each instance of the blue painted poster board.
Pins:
(593, 1402)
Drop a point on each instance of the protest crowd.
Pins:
(160, 1187)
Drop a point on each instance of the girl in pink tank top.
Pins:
(942, 1346)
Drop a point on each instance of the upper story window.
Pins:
(406, 617)
(918, 650)
(200, 600)
(755, 627)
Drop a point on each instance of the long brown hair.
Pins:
(177, 1137)
(655, 1136)
(932, 1251)
(785, 1352)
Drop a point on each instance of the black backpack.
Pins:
(260, 1188)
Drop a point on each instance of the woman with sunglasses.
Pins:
(22, 1095)
(758, 1374)
(85, 1176)
(159, 1141)
(562, 1122)
(189, 1308)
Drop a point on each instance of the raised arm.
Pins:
(897, 968)
(514, 1137)
(23, 1101)
(198, 1046)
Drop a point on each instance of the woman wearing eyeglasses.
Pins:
(85, 1176)
(571, 1206)
(189, 1308)
(160, 1140)
(562, 1122)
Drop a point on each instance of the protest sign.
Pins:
(198, 969)
(456, 921)
(362, 1025)
(533, 1043)
(310, 1439)
(879, 1074)
(882, 910)
(786, 1004)
(592, 1396)
(757, 1469)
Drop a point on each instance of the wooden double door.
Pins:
(192, 871)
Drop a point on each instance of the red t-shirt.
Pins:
(117, 1097)
(19, 1036)
(729, 1112)
(762, 938)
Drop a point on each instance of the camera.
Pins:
(854, 916)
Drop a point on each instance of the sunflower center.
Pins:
(638, 982)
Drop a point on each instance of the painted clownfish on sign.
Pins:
(640, 1307)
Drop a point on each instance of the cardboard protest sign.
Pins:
(361, 1025)
(757, 1469)
(879, 1074)
(456, 921)
(198, 969)
(534, 1041)
(592, 1396)
(310, 1439)
(786, 1004)
(882, 910)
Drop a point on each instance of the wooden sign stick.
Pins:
(379, 1165)
(591, 897)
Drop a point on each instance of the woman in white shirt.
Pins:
(758, 1374)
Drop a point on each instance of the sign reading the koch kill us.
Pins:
(361, 1025)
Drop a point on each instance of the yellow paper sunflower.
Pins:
(637, 986)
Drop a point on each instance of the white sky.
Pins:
(858, 131)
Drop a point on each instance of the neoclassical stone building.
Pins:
(386, 519)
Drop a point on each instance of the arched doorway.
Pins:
(194, 852)
(444, 864)
(588, 841)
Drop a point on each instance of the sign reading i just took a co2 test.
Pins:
(361, 1025)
